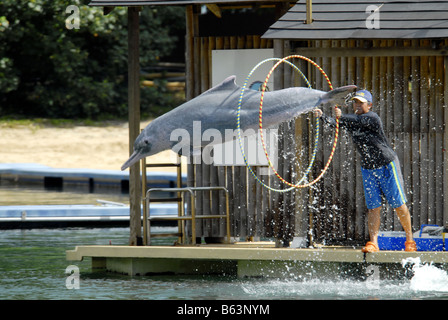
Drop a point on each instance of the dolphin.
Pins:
(216, 109)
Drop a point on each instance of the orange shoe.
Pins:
(410, 246)
(370, 247)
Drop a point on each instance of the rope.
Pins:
(239, 127)
(261, 122)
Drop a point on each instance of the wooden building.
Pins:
(403, 63)
(208, 27)
(399, 51)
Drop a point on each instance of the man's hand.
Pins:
(338, 112)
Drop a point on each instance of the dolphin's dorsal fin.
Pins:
(228, 84)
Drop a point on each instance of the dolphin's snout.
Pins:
(135, 156)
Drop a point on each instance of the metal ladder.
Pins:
(180, 199)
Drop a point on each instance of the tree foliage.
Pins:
(48, 70)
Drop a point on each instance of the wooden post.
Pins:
(445, 146)
(424, 129)
(309, 11)
(440, 84)
(134, 124)
(415, 138)
(277, 198)
(189, 94)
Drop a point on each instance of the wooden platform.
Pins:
(246, 259)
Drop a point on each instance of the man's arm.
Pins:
(351, 121)
(329, 120)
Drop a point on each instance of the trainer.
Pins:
(380, 167)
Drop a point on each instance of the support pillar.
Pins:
(445, 146)
(134, 124)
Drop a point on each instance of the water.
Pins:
(33, 264)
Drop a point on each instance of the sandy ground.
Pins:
(74, 147)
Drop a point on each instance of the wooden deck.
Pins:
(245, 259)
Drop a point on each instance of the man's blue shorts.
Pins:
(386, 180)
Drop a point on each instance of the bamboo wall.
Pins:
(245, 193)
(408, 93)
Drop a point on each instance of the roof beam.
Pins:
(214, 8)
(371, 52)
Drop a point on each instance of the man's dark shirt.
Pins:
(368, 135)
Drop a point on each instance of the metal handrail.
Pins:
(181, 216)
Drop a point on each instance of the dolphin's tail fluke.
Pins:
(337, 96)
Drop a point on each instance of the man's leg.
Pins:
(405, 219)
(374, 221)
(372, 194)
(392, 187)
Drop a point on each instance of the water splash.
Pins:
(426, 277)
(423, 281)
(325, 289)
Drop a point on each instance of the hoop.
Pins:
(261, 122)
(239, 127)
